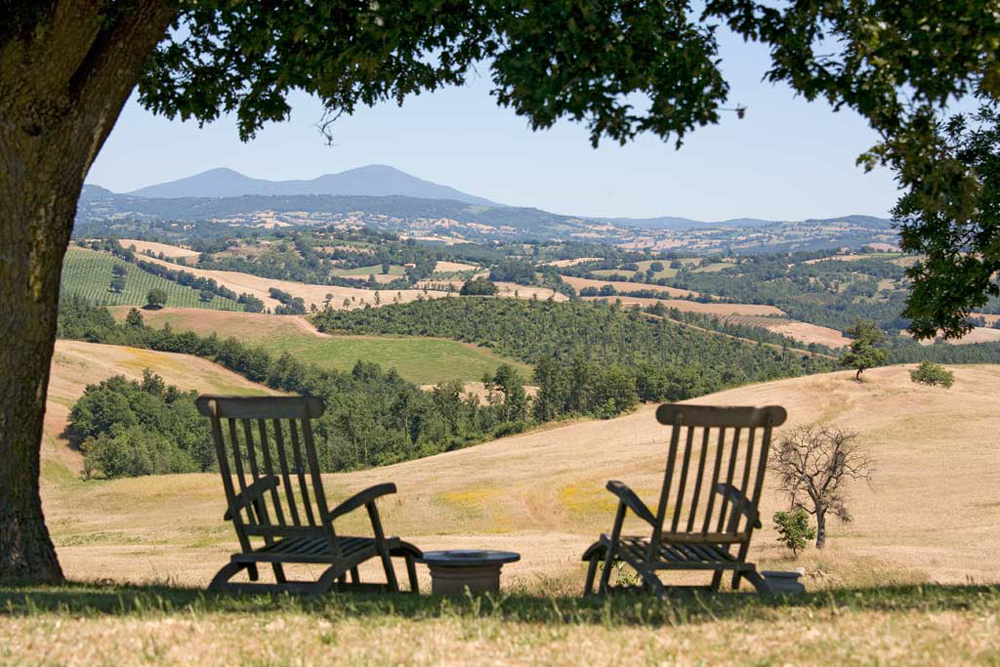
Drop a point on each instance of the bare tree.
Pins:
(813, 465)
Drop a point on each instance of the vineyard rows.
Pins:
(88, 274)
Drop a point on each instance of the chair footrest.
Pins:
(670, 555)
(318, 550)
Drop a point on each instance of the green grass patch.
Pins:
(715, 267)
(88, 273)
(417, 359)
(163, 625)
(667, 272)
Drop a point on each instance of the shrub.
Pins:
(933, 374)
(478, 287)
(794, 530)
(156, 298)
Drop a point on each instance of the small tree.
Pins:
(156, 298)
(863, 351)
(117, 284)
(119, 270)
(794, 530)
(933, 374)
(813, 465)
(206, 295)
(134, 319)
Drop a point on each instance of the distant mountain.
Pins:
(376, 180)
(94, 192)
(686, 224)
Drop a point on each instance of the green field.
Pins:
(714, 267)
(419, 360)
(88, 274)
(643, 266)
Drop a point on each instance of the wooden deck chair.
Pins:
(274, 491)
(708, 503)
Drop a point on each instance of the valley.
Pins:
(500, 364)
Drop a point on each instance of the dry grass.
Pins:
(76, 364)
(453, 267)
(694, 306)
(571, 262)
(977, 335)
(623, 286)
(931, 514)
(810, 333)
(157, 248)
(311, 294)
(107, 625)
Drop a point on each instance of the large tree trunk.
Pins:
(64, 78)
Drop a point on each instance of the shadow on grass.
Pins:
(88, 599)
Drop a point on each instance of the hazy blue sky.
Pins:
(787, 159)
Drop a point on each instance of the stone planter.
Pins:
(783, 583)
(452, 572)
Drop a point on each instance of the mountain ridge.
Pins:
(370, 180)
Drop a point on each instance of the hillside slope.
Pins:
(932, 512)
(76, 364)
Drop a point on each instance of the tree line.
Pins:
(663, 359)
(373, 416)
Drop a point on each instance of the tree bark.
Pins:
(63, 82)
(820, 530)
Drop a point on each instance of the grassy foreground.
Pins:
(122, 625)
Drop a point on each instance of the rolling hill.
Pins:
(75, 364)
(931, 513)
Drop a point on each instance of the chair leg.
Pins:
(383, 549)
(716, 581)
(279, 573)
(221, 579)
(737, 576)
(609, 559)
(588, 586)
(390, 573)
(326, 580)
(411, 574)
(653, 583)
(756, 581)
(355, 577)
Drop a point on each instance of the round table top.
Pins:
(468, 557)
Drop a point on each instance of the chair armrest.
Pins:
(360, 499)
(631, 501)
(737, 498)
(251, 494)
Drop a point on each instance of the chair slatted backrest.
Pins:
(268, 441)
(710, 446)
